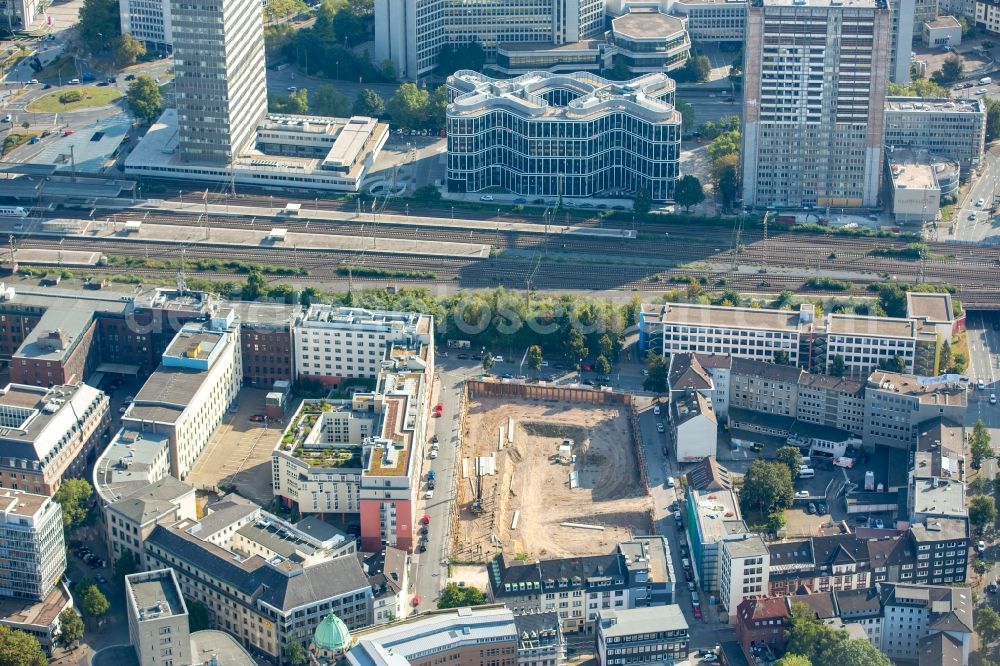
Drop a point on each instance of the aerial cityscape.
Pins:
(500, 332)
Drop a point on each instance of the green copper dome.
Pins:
(332, 634)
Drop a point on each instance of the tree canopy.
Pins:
(145, 99)
(454, 596)
(767, 488)
(656, 378)
(100, 24)
(74, 496)
(369, 103)
(95, 604)
(689, 192)
(791, 457)
(328, 101)
(980, 444)
(18, 648)
(987, 624)
(70, 629)
(982, 511)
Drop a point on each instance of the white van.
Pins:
(806, 472)
(985, 81)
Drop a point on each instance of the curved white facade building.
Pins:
(569, 135)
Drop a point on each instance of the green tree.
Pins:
(992, 119)
(853, 652)
(996, 486)
(952, 69)
(982, 511)
(295, 654)
(467, 55)
(255, 286)
(894, 364)
(687, 116)
(70, 629)
(781, 357)
(987, 625)
(100, 25)
(489, 362)
(656, 373)
(437, 106)
(602, 366)
(643, 203)
(837, 367)
(454, 596)
(198, 616)
(606, 346)
(725, 174)
(689, 192)
(369, 103)
(727, 143)
(791, 457)
(980, 444)
(793, 660)
(94, 604)
(767, 487)
(535, 357)
(74, 497)
(144, 99)
(276, 9)
(328, 101)
(809, 637)
(945, 359)
(18, 648)
(576, 345)
(408, 107)
(128, 51)
(978, 485)
(125, 565)
(296, 103)
(918, 88)
(697, 68)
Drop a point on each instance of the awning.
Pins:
(118, 368)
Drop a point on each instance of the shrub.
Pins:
(70, 97)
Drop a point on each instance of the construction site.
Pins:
(546, 479)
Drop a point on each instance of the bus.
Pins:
(13, 211)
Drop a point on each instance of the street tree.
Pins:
(689, 192)
(791, 457)
(767, 487)
(125, 565)
(987, 625)
(793, 660)
(328, 101)
(642, 203)
(128, 51)
(18, 648)
(656, 377)
(295, 654)
(369, 103)
(488, 362)
(980, 444)
(454, 596)
(535, 357)
(70, 629)
(100, 25)
(982, 511)
(144, 99)
(408, 107)
(601, 365)
(952, 69)
(95, 604)
(74, 497)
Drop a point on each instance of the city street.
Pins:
(984, 353)
(987, 187)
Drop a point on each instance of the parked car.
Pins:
(981, 547)
(434, 454)
(486, 197)
(660, 428)
(802, 493)
(821, 508)
(879, 524)
(422, 548)
(992, 587)
(258, 418)
(811, 509)
(697, 612)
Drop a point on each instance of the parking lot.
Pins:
(239, 452)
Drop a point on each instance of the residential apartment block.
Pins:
(920, 611)
(988, 15)
(814, 115)
(32, 550)
(563, 135)
(540, 640)
(364, 455)
(711, 517)
(49, 434)
(743, 572)
(131, 519)
(641, 635)
(693, 427)
(638, 573)
(953, 128)
(331, 344)
(262, 580)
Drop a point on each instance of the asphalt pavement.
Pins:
(974, 222)
(984, 357)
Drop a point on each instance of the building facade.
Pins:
(32, 548)
(149, 22)
(641, 635)
(813, 114)
(713, 20)
(952, 128)
(563, 135)
(220, 88)
(896, 405)
(157, 618)
(411, 33)
(743, 572)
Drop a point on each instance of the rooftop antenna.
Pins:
(181, 277)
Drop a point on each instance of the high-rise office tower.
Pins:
(815, 85)
(221, 91)
(903, 12)
(411, 33)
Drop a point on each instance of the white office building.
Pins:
(744, 571)
(32, 549)
(149, 22)
(220, 86)
(157, 618)
(563, 135)
(411, 33)
(815, 79)
(952, 128)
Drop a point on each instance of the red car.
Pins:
(438, 407)
(258, 418)
(67, 132)
(697, 612)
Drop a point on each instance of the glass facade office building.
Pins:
(570, 135)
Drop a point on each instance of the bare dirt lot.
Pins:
(532, 481)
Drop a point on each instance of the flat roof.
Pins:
(643, 23)
(718, 513)
(912, 175)
(17, 503)
(226, 649)
(939, 527)
(713, 315)
(942, 498)
(30, 613)
(943, 22)
(156, 594)
(942, 390)
(933, 307)
(631, 621)
(191, 343)
(934, 105)
(351, 141)
(827, 4)
(127, 465)
(33, 419)
(166, 394)
(885, 327)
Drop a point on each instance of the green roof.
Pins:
(332, 634)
